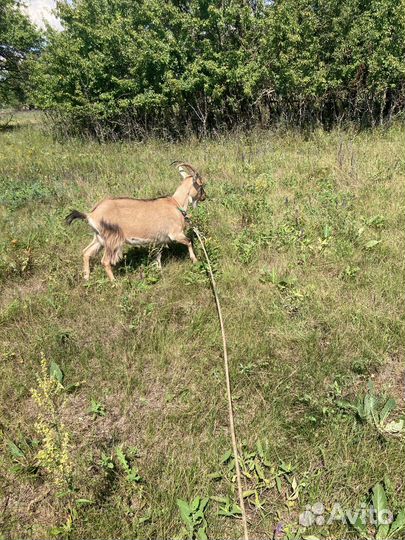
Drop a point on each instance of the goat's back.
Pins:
(148, 219)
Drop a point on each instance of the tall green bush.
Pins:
(328, 59)
(122, 68)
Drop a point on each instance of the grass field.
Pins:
(307, 239)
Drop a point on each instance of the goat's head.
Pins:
(197, 193)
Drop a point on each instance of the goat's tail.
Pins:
(75, 214)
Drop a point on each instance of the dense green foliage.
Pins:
(331, 58)
(18, 38)
(120, 68)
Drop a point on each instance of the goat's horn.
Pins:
(183, 164)
(189, 167)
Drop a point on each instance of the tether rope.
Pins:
(228, 386)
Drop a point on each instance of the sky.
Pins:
(40, 10)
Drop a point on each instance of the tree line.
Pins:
(19, 39)
(125, 68)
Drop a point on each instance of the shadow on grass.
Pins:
(135, 259)
(4, 128)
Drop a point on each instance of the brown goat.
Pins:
(141, 222)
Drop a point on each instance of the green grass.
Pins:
(313, 311)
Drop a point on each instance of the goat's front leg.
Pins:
(182, 239)
(159, 259)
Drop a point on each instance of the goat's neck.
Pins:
(182, 194)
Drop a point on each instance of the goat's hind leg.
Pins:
(106, 262)
(90, 251)
(113, 245)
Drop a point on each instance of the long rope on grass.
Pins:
(228, 386)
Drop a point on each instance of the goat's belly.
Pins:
(135, 241)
